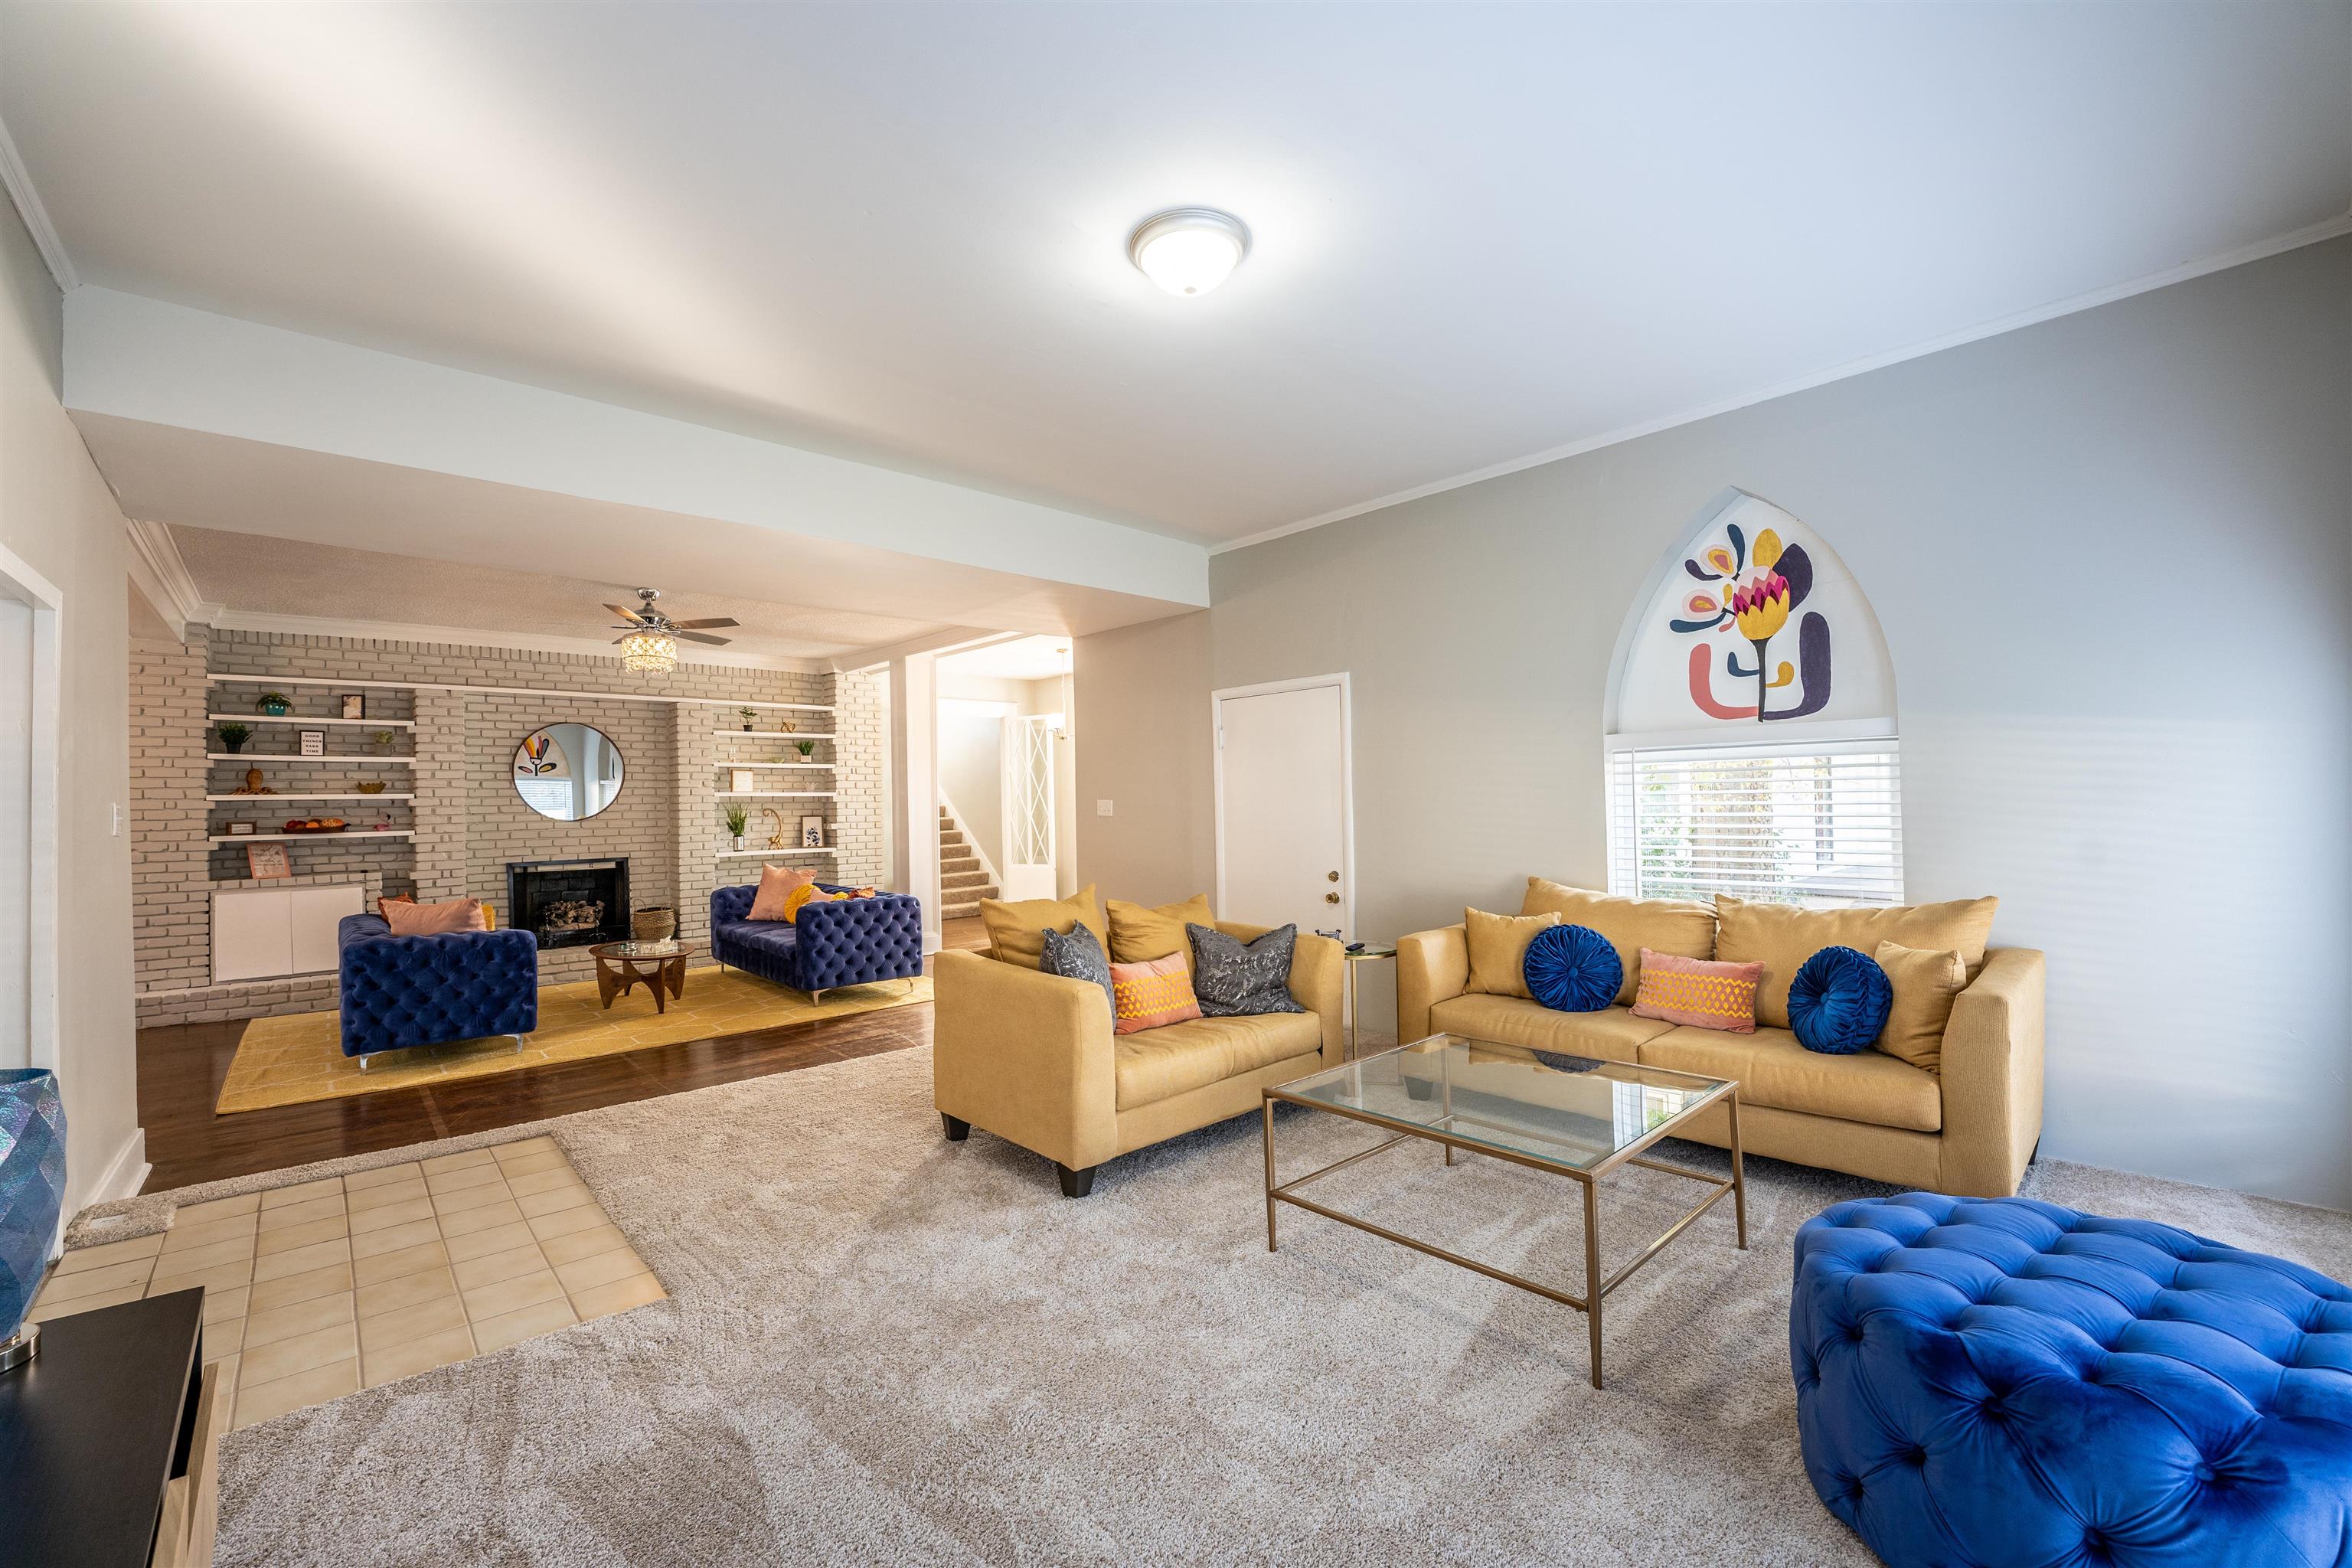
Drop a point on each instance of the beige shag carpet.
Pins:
(883, 1348)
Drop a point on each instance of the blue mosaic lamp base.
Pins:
(32, 1195)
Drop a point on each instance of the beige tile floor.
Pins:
(320, 1290)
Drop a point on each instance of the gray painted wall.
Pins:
(2112, 555)
(58, 516)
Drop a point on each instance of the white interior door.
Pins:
(31, 677)
(1284, 832)
(1028, 797)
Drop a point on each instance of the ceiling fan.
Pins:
(649, 639)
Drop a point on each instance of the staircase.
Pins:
(964, 882)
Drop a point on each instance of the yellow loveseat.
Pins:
(1966, 1126)
(1031, 1056)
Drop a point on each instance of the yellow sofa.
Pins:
(1968, 1127)
(1031, 1057)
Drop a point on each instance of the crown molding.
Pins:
(162, 578)
(475, 637)
(13, 175)
(2294, 239)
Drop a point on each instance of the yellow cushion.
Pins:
(1138, 935)
(1612, 1034)
(1924, 984)
(805, 894)
(1498, 951)
(1158, 1064)
(1774, 1070)
(1016, 931)
(1782, 936)
(1662, 925)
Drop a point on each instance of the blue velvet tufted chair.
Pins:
(853, 942)
(2010, 1381)
(404, 991)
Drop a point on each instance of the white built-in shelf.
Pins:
(755, 854)
(355, 794)
(823, 767)
(763, 707)
(772, 795)
(275, 682)
(401, 759)
(309, 718)
(347, 833)
(771, 734)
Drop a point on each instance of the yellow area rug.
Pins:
(299, 1058)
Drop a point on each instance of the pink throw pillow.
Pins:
(777, 886)
(1146, 995)
(1698, 992)
(408, 919)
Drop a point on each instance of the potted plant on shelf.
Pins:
(751, 717)
(807, 749)
(382, 739)
(233, 737)
(738, 818)
(274, 703)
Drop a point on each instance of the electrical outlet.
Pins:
(1102, 808)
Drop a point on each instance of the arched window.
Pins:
(1752, 744)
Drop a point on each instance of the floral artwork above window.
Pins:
(1762, 587)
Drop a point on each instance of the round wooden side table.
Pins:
(660, 966)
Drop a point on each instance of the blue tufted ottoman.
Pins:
(1982, 1384)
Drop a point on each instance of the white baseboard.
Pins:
(125, 1174)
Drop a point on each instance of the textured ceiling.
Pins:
(256, 575)
(896, 231)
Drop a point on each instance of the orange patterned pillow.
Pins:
(1146, 995)
(1699, 992)
(777, 884)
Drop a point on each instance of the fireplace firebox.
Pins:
(570, 904)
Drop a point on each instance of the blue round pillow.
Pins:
(1839, 1002)
(1572, 969)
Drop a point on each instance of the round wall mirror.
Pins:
(567, 771)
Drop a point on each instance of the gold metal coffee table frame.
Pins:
(1596, 1289)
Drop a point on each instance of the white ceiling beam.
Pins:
(482, 637)
(132, 358)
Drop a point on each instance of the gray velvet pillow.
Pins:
(1079, 956)
(1231, 978)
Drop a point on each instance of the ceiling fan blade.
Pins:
(713, 621)
(627, 614)
(698, 637)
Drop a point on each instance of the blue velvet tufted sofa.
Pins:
(2009, 1382)
(856, 942)
(402, 991)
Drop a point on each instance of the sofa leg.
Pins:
(367, 1061)
(957, 1129)
(816, 998)
(1076, 1183)
(518, 1041)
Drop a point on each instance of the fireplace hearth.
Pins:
(570, 904)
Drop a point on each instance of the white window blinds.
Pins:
(1815, 822)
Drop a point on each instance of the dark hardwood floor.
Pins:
(181, 1068)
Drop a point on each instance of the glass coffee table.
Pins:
(660, 966)
(1576, 1116)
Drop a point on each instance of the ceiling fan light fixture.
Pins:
(651, 652)
(1190, 250)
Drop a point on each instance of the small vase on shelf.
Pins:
(739, 844)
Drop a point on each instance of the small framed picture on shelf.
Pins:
(355, 705)
(812, 832)
(267, 862)
(238, 830)
(314, 743)
(742, 780)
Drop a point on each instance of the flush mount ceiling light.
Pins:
(1190, 250)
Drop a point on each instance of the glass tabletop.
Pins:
(642, 950)
(1575, 1112)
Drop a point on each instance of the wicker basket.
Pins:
(654, 922)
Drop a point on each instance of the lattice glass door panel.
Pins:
(1029, 801)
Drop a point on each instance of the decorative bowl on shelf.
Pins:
(370, 786)
(316, 825)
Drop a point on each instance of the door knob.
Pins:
(1331, 876)
(1331, 897)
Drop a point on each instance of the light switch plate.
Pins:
(1102, 808)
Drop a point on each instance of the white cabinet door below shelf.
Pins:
(315, 915)
(252, 936)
